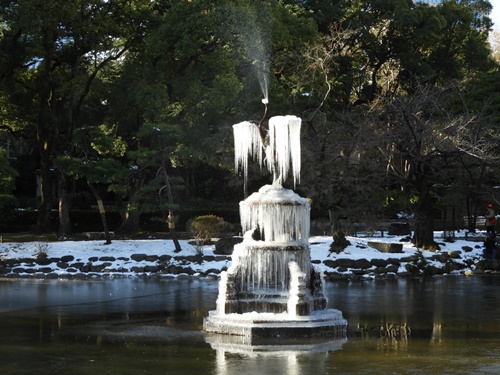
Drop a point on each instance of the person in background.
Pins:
(491, 220)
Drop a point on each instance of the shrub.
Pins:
(42, 249)
(204, 228)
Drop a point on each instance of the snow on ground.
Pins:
(119, 252)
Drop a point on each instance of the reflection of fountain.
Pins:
(271, 288)
(270, 355)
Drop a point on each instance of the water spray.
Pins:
(262, 132)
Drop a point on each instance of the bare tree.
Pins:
(422, 148)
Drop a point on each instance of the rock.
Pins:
(86, 267)
(177, 270)
(394, 261)
(441, 257)
(226, 245)
(386, 247)
(330, 263)
(345, 262)
(359, 272)
(67, 258)
(432, 270)
(333, 276)
(362, 263)
(43, 261)
(212, 271)
(392, 268)
(107, 259)
(151, 268)
(454, 254)
(379, 262)
(99, 267)
(467, 249)
(138, 257)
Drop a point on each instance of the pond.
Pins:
(137, 326)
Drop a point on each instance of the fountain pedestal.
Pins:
(271, 288)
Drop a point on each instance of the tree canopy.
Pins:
(137, 99)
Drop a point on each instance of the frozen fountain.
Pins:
(271, 288)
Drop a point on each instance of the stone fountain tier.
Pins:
(262, 276)
(324, 323)
(276, 215)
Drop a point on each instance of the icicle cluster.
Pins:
(247, 142)
(282, 149)
(270, 270)
(279, 213)
(284, 146)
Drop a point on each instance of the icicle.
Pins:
(247, 142)
(280, 214)
(283, 152)
(262, 268)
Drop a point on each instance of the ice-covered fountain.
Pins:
(271, 288)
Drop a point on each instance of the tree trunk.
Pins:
(424, 217)
(339, 240)
(64, 219)
(43, 224)
(171, 217)
(102, 212)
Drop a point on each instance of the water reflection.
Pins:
(254, 356)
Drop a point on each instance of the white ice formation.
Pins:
(279, 214)
(281, 147)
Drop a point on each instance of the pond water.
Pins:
(447, 325)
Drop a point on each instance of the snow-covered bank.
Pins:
(156, 258)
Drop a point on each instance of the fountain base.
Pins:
(324, 323)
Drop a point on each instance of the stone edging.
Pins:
(167, 266)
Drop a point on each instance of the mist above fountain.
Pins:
(271, 288)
